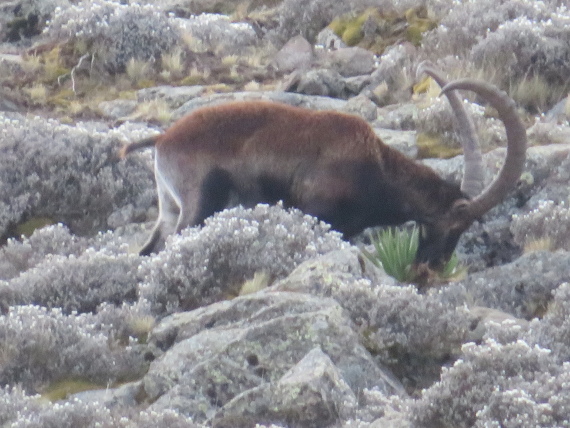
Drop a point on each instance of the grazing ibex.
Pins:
(328, 164)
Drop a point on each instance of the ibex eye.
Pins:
(460, 205)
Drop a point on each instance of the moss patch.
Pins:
(64, 388)
(28, 227)
(430, 146)
(375, 29)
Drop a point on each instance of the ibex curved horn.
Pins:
(516, 144)
(473, 173)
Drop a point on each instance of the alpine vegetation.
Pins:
(117, 32)
(548, 225)
(75, 179)
(202, 265)
(42, 345)
(247, 301)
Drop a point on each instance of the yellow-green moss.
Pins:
(388, 28)
(145, 83)
(192, 80)
(349, 27)
(352, 33)
(52, 65)
(62, 98)
(259, 281)
(430, 146)
(418, 23)
(422, 86)
(127, 95)
(28, 227)
(66, 387)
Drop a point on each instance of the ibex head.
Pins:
(439, 235)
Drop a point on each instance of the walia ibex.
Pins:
(328, 164)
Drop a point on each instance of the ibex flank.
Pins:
(328, 164)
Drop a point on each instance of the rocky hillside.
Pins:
(266, 317)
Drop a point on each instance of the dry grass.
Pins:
(157, 110)
(230, 60)
(173, 62)
(38, 93)
(534, 92)
(138, 70)
(140, 327)
(538, 244)
(193, 43)
(197, 74)
(259, 281)
(32, 63)
(252, 86)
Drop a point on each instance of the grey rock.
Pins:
(321, 275)
(120, 397)
(363, 107)
(117, 109)
(349, 62)
(545, 133)
(329, 40)
(174, 96)
(300, 100)
(216, 353)
(321, 82)
(547, 175)
(481, 317)
(522, 288)
(310, 394)
(403, 141)
(356, 84)
(296, 54)
(325, 82)
(391, 80)
(560, 112)
(399, 116)
(9, 102)
(11, 64)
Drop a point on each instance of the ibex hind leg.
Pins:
(168, 214)
(213, 196)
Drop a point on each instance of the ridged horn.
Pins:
(516, 144)
(473, 172)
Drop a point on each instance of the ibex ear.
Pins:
(460, 206)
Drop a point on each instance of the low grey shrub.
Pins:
(520, 45)
(217, 33)
(18, 256)
(78, 283)
(510, 385)
(201, 265)
(116, 31)
(14, 400)
(553, 330)
(69, 174)
(549, 223)
(412, 333)
(307, 17)
(40, 346)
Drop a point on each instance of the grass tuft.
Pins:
(395, 250)
(137, 70)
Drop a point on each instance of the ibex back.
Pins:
(328, 164)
